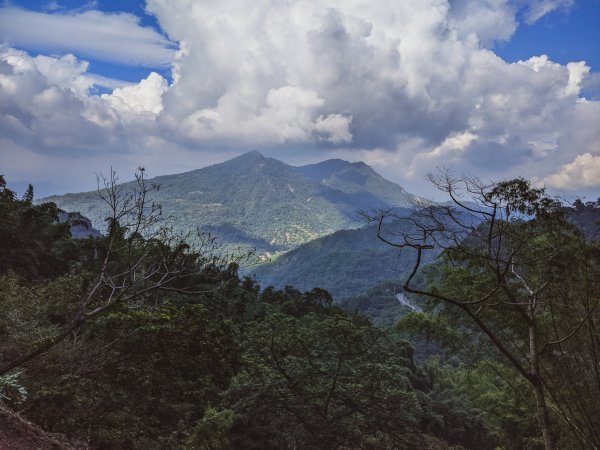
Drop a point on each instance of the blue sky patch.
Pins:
(564, 36)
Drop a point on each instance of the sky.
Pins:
(492, 88)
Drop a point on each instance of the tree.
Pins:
(325, 381)
(31, 237)
(139, 254)
(147, 371)
(525, 278)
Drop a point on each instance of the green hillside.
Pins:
(254, 201)
(346, 263)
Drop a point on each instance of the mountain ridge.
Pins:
(361, 181)
(255, 201)
(345, 263)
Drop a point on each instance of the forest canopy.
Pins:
(136, 339)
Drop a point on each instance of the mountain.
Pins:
(346, 263)
(359, 181)
(260, 202)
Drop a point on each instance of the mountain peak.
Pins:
(325, 169)
(335, 167)
(357, 179)
(362, 165)
(253, 155)
(246, 161)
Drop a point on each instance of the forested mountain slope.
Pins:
(260, 202)
(345, 263)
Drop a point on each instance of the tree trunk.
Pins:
(543, 417)
(540, 398)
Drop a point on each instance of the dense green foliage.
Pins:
(215, 363)
(380, 303)
(586, 217)
(212, 361)
(522, 284)
(346, 263)
(258, 202)
(32, 242)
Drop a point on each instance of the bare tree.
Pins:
(504, 248)
(139, 254)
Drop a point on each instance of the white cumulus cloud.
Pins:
(407, 86)
(584, 171)
(136, 99)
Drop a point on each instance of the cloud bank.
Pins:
(405, 86)
(111, 37)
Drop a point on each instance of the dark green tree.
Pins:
(325, 381)
(32, 241)
(524, 277)
(138, 255)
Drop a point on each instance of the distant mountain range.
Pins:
(260, 202)
(302, 219)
